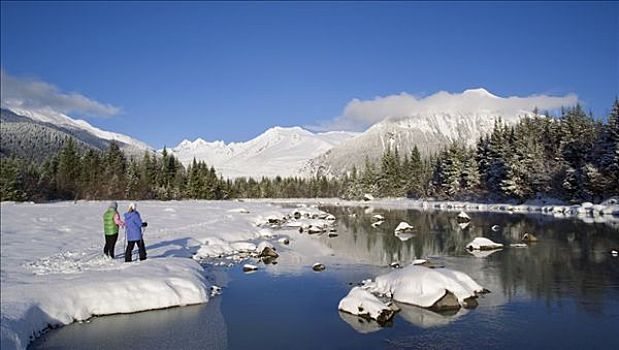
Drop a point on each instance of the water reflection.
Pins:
(571, 259)
(424, 318)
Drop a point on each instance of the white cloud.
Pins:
(31, 94)
(360, 114)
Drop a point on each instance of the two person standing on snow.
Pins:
(133, 225)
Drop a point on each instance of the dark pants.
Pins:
(129, 251)
(110, 242)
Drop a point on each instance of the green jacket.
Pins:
(109, 226)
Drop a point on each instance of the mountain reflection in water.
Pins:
(571, 259)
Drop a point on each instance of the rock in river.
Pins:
(318, 267)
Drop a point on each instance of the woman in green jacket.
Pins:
(111, 224)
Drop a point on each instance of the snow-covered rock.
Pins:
(404, 227)
(249, 267)
(424, 287)
(318, 267)
(378, 217)
(362, 303)
(368, 197)
(529, 238)
(215, 291)
(463, 217)
(483, 243)
(263, 245)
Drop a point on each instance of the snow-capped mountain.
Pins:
(429, 131)
(46, 127)
(277, 151)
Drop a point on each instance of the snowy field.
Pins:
(53, 271)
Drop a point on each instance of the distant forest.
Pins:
(573, 157)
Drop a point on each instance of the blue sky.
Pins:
(231, 70)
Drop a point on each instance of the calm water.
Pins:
(562, 292)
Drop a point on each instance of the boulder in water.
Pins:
(404, 227)
(425, 287)
(463, 217)
(376, 224)
(364, 304)
(249, 267)
(378, 217)
(529, 238)
(482, 243)
(318, 267)
(447, 303)
(268, 252)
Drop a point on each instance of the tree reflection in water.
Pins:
(571, 259)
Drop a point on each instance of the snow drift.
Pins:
(27, 310)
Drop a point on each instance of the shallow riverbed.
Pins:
(562, 292)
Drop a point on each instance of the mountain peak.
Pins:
(287, 129)
(479, 92)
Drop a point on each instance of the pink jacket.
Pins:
(118, 221)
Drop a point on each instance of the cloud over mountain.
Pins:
(36, 95)
(360, 114)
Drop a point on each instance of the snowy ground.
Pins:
(53, 271)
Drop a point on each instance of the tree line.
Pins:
(572, 157)
(73, 174)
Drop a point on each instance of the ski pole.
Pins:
(125, 242)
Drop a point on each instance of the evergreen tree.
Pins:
(11, 182)
(68, 170)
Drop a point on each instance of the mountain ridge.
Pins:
(278, 151)
(35, 135)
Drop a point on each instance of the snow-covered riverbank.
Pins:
(53, 271)
(605, 212)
